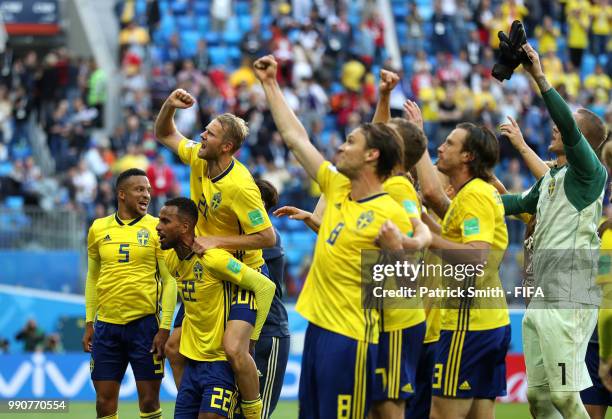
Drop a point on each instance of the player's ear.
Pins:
(372, 154)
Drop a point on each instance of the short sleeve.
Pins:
(477, 218)
(405, 196)
(402, 220)
(188, 150)
(92, 245)
(222, 265)
(330, 180)
(250, 210)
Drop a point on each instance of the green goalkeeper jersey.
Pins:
(568, 204)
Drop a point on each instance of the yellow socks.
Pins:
(152, 415)
(251, 409)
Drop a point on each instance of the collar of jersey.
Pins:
(188, 257)
(369, 198)
(224, 173)
(131, 223)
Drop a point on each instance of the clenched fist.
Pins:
(265, 68)
(388, 81)
(180, 99)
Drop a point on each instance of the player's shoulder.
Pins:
(150, 220)
(398, 180)
(172, 261)
(102, 223)
(479, 189)
(221, 261)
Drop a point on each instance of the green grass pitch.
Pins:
(285, 410)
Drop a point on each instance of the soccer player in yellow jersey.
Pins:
(232, 217)
(341, 339)
(126, 279)
(208, 388)
(469, 372)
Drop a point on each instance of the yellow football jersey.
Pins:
(203, 285)
(477, 214)
(401, 189)
(411, 312)
(128, 285)
(331, 297)
(229, 204)
(604, 271)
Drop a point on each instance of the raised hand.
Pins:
(535, 68)
(513, 132)
(265, 68)
(413, 113)
(180, 99)
(388, 81)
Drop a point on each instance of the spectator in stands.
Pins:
(415, 34)
(578, 22)
(547, 35)
(441, 23)
(86, 186)
(133, 157)
(6, 111)
(252, 43)
(162, 181)
(201, 57)
(598, 81)
(220, 11)
(32, 336)
(134, 37)
(601, 13)
(96, 96)
(4, 346)
(53, 344)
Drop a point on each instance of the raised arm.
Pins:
(388, 81)
(581, 157)
(512, 131)
(165, 129)
(290, 128)
(431, 188)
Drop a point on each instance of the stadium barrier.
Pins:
(44, 375)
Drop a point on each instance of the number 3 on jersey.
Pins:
(333, 236)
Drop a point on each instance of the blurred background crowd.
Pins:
(330, 53)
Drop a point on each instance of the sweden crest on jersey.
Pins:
(143, 236)
(198, 270)
(216, 201)
(365, 219)
(551, 187)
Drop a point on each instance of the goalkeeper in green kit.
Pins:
(568, 203)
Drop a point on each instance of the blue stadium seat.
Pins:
(245, 23)
(186, 23)
(212, 38)
(167, 26)
(180, 7)
(242, 8)
(189, 43)
(201, 8)
(185, 191)
(5, 168)
(14, 202)
(218, 55)
(232, 34)
(588, 65)
(202, 24)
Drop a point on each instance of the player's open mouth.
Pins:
(143, 205)
(161, 237)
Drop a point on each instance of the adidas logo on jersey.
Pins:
(107, 238)
(465, 386)
(408, 388)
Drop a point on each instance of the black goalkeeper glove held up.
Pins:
(511, 53)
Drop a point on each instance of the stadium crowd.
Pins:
(329, 53)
